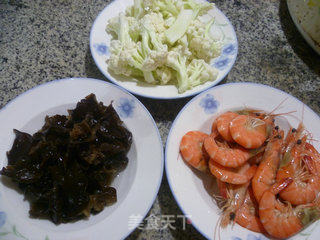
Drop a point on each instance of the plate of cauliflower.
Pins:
(163, 49)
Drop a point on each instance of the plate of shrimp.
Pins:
(242, 161)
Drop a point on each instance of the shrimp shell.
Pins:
(239, 175)
(191, 149)
(267, 170)
(224, 155)
(248, 131)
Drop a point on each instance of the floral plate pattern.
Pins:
(100, 42)
(144, 169)
(193, 190)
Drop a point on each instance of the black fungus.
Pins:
(66, 168)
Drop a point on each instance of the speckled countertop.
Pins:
(43, 40)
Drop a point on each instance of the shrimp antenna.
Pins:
(313, 139)
(303, 111)
(310, 137)
(277, 107)
(216, 227)
(286, 113)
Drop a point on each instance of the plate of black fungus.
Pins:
(80, 158)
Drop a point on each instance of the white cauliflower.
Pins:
(200, 72)
(164, 74)
(162, 42)
(201, 43)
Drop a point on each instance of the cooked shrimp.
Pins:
(267, 117)
(192, 151)
(248, 131)
(225, 155)
(222, 186)
(278, 219)
(282, 220)
(247, 214)
(292, 137)
(257, 158)
(314, 154)
(235, 198)
(214, 129)
(266, 173)
(303, 170)
(223, 123)
(238, 175)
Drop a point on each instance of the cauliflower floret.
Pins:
(125, 53)
(162, 41)
(167, 8)
(119, 60)
(178, 61)
(152, 46)
(184, 41)
(163, 74)
(200, 72)
(201, 43)
(169, 21)
(154, 22)
(198, 8)
(137, 10)
(134, 28)
(113, 26)
(154, 60)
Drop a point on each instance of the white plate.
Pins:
(191, 190)
(296, 8)
(137, 186)
(100, 42)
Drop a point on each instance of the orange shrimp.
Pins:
(223, 122)
(292, 137)
(302, 169)
(257, 158)
(237, 176)
(234, 196)
(192, 151)
(247, 214)
(266, 173)
(225, 155)
(248, 131)
(279, 220)
(214, 129)
(282, 220)
(314, 154)
(222, 186)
